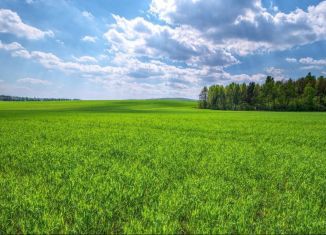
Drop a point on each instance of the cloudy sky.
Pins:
(109, 49)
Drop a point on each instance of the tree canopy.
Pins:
(304, 94)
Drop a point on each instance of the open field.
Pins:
(159, 167)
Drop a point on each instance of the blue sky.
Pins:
(127, 49)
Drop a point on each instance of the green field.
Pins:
(159, 166)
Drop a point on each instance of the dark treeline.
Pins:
(17, 98)
(304, 94)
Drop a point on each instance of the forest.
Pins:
(304, 94)
(18, 98)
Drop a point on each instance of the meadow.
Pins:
(159, 166)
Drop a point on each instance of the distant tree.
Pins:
(17, 98)
(212, 97)
(243, 96)
(309, 95)
(321, 86)
(321, 92)
(203, 98)
(268, 93)
(221, 98)
(289, 91)
(250, 99)
(299, 86)
(309, 79)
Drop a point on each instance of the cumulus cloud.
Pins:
(192, 33)
(11, 46)
(140, 37)
(206, 42)
(202, 14)
(311, 64)
(51, 61)
(34, 81)
(245, 24)
(88, 38)
(10, 22)
(311, 61)
(126, 69)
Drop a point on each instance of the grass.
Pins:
(159, 167)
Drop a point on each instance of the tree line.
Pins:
(18, 98)
(304, 94)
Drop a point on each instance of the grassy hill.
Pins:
(159, 166)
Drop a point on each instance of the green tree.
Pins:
(268, 93)
(309, 95)
(203, 98)
(212, 96)
(250, 98)
(306, 93)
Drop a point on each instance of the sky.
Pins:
(127, 49)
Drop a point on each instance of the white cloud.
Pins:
(34, 81)
(88, 15)
(10, 22)
(291, 60)
(257, 78)
(207, 42)
(277, 73)
(86, 59)
(89, 39)
(51, 61)
(130, 72)
(245, 26)
(139, 37)
(311, 61)
(11, 46)
(21, 53)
